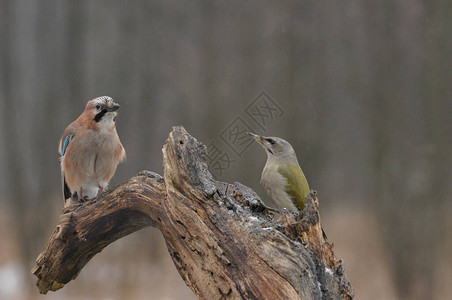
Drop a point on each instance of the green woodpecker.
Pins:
(282, 176)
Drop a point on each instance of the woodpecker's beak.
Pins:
(258, 138)
(113, 107)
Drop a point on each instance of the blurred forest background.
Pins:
(365, 92)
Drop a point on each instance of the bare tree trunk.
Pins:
(219, 235)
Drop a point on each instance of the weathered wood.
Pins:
(219, 235)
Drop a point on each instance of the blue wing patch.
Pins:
(66, 142)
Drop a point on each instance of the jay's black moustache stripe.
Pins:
(99, 116)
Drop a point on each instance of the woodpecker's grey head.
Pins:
(274, 146)
(102, 110)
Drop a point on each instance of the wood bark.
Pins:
(222, 238)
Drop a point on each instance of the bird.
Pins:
(283, 180)
(90, 150)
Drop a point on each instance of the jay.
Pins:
(90, 150)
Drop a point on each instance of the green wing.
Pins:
(297, 185)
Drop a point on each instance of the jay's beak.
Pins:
(113, 107)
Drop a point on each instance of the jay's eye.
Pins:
(97, 106)
(271, 141)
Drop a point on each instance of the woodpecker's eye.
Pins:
(97, 106)
(271, 141)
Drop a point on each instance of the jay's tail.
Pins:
(66, 191)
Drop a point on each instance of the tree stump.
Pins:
(221, 236)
